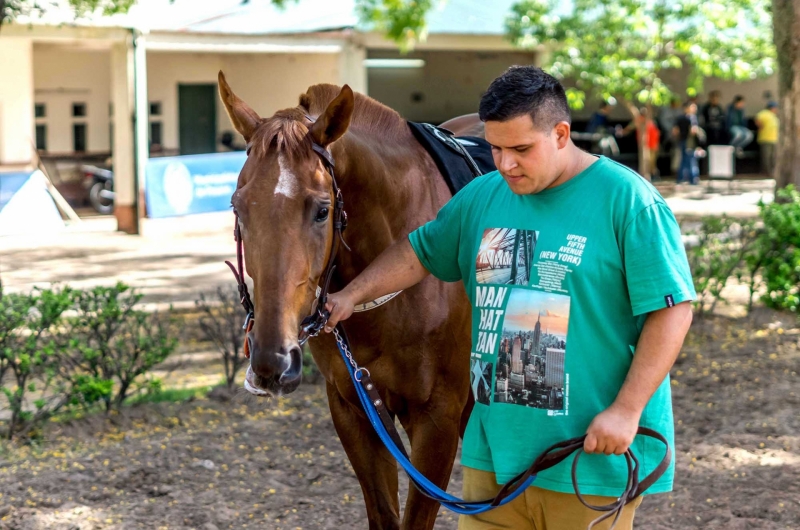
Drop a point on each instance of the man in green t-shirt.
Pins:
(580, 291)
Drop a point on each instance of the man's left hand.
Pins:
(611, 432)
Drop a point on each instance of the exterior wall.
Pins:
(450, 84)
(16, 100)
(63, 76)
(267, 82)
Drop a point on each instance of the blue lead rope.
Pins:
(425, 486)
(383, 424)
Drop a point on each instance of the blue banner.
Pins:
(26, 205)
(10, 184)
(181, 185)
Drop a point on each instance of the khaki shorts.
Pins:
(536, 509)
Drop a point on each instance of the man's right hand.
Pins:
(340, 306)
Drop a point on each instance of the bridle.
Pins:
(313, 323)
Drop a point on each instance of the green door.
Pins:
(197, 116)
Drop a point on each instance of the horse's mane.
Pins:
(368, 115)
(286, 129)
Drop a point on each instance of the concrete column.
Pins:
(351, 67)
(141, 120)
(17, 133)
(122, 96)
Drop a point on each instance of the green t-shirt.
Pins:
(560, 284)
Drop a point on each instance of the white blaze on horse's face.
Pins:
(288, 186)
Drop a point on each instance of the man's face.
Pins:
(526, 156)
(740, 104)
(691, 109)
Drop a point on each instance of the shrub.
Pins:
(221, 323)
(778, 253)
(116, 344)
(30, 357)
(720, 249)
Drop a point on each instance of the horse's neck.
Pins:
(390, 187)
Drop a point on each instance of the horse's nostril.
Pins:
(292, 373)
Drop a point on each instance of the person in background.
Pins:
(687, 133)
(741, 136)
(599, 120)
(712, 119)
(648, 135)
(666, 120)
(768, 125)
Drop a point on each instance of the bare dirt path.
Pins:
(250, 463)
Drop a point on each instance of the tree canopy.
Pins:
(626, 48)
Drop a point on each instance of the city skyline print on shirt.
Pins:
(531, 355)
(505, 256)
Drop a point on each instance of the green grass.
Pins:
(169, 395)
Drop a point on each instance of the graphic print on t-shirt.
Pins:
(480, 379)
(505, 256)
(530, 361)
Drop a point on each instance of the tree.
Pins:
(627, 48)
(787, 41)
(11, 9)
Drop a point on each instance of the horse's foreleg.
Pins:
(375, 468)
(434, 442)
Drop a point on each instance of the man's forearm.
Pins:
(397, 268)
(659, 346)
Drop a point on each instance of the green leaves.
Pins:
(402, 21)
(69, 348)
(627, 49)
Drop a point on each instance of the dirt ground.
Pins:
(249, 463)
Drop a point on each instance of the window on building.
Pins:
(41, 137)
(78, 110)
(79, 137)
(155, 108)
(40, 110)
(156, 129)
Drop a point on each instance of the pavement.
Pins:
(177, 258)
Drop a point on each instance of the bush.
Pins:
(221, 323)
(115, 344)
(778, 254)
(763, 254)
(720, 249)
(30, 358)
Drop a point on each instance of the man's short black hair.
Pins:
(527, 90)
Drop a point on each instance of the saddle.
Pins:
(459, 159)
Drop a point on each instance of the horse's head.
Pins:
(284, 201)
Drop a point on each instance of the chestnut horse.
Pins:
(417, 346)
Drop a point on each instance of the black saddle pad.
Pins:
(446, 150)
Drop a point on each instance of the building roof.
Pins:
(262, 17)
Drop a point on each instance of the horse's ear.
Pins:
(244, 119)
(333, 123)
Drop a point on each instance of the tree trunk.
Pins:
(786, 25)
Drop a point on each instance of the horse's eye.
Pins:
(322, 214)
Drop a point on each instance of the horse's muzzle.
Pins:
(273, 373)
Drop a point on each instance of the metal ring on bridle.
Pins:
(358, 371)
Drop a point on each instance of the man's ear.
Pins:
(562, 131)
(244, 119)
(333, 123)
